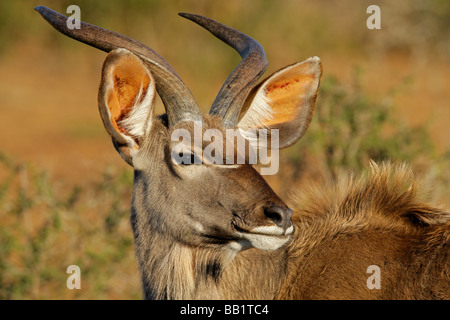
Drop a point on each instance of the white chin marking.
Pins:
(269, 230)
(289, 230)
(264, 241)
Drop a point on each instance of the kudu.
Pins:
(219, 231)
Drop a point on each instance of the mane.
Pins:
(388, 196)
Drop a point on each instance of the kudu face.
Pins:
(200, 204)
(206, 204)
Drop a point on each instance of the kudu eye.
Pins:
(189, 159)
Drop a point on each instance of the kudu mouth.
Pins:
(266, 230)
(270, 236)
(264, 239)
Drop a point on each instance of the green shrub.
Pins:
(349, 128)
(45, 229)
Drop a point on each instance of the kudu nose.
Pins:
(281, 217)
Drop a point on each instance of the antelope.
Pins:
(207, 231)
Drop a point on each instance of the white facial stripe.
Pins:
(199, 227)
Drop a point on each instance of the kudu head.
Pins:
(197, 202)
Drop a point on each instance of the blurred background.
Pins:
(64, 191)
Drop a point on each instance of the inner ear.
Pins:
(282, 91)
(130, 87)
(126, 96)
(285, 101)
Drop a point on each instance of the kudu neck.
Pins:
(173, 270)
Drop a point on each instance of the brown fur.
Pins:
(197, 227)
(381, 220)
(340, 230)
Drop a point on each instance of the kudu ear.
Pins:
(125, 100)
(284, 101)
